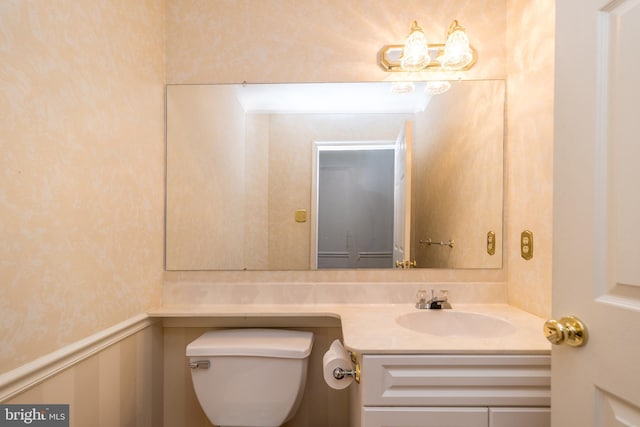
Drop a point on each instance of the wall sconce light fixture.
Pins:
(417, 55)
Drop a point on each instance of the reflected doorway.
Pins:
(354, 195)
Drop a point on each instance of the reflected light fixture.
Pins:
(401, 88)
(456, 54)
(436, 87)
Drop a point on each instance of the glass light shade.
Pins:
(415, 55)
(402, 87)
(437, 87)
(457, 53)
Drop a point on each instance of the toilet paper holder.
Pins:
(339, 373)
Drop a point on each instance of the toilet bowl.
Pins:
(250, 377)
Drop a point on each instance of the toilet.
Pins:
(250, 377)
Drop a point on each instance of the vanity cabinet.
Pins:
(454, 390)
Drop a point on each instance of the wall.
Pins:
(81, 201)
(256, 233)
(307, 41)
(459, 195)
(202, 165)
(119, 386)
(289, 41)
(529, 194)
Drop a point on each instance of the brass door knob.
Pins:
(569, 330)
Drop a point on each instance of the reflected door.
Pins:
(596, 249)
(402, 198)
(355, 207)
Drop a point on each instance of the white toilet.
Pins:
(250, 377)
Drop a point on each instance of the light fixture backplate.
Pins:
(389, 58)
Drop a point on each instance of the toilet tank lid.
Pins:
(253, 342)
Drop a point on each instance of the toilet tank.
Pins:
(250, 377)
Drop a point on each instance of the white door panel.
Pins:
(402, 197)
(596, 253)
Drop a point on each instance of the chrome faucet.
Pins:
(433, 303)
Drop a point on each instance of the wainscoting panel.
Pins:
(118, 386)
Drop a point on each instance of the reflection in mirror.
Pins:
(355, 208)
(242, 165)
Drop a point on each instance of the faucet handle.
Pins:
(444, 299)
(421, 297)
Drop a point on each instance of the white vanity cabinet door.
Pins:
(442, 390)
(425, 417)
(519, 417)
(456, 380)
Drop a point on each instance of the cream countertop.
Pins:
(372, 328)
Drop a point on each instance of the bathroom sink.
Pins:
(448, 323)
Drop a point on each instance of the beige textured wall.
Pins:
(256, 226)
(290, 40)
(119, 386)
(530, 47)
(205, 178)
(81, 193)
(458, 174)
(335, 40)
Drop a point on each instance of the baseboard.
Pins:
(22, 378)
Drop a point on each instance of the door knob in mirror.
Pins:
(406, 264)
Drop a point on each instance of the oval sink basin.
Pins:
(448, 323)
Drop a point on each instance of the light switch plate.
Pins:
(301, 215)
(526, 244)
(491, 243)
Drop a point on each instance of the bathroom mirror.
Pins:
(249, 170)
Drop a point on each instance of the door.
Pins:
(596, 241)
(355, 207)
(402, 199)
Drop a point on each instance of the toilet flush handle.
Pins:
(200, 364)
